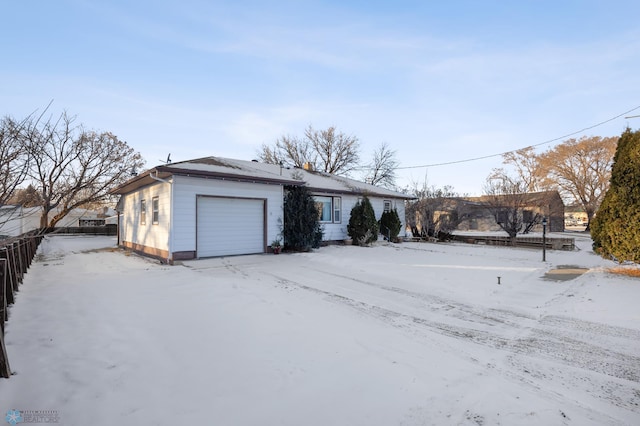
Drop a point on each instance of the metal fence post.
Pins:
(15, 258)
(4, 315)
(5, 370)
(8, 278)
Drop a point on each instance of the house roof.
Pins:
(530, 197)
(253, 171)
(207, 168)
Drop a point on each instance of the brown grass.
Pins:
(630, 272)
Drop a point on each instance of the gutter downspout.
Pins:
(119, 212)
(151, 175)
(158, 178)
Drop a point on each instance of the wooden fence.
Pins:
(109, 230)
(16, 255)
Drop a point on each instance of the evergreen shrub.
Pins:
(363, 226)
(301, 229)
(390, 225)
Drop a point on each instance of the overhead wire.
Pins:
(468, 160)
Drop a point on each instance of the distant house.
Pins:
(218, 206)
(17, 220)
(429, 216)
(547, 204)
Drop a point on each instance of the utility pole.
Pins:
(544, 239)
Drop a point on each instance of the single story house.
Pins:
(215, 206)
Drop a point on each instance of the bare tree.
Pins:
(578, 169)
(336, 152)
(297, 151)
(14, 159)
(270, 155)
(527, 167)
(506, 199)
(382, 170)
(26, 197)
(328, 150)
(72, 167)
(288, 150)
(581, 169)
(436, 212)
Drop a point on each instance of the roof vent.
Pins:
(308, 166)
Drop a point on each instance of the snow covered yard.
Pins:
(408, 334)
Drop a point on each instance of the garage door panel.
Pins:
(228, 226)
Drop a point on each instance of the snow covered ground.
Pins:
(407, 334)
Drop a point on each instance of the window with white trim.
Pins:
(143, 212)
(329, 209)
(387, 206)
(337, 209)
(155, 205)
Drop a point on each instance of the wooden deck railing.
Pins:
(551, 243)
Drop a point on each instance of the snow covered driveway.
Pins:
(409, 334)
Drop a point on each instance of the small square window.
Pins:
(387, 206)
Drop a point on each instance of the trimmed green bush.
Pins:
(390, 225)
(363, 226)
(301, 229)
(615, 230)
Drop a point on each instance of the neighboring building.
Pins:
(547, 204)
(429, 216)
(218, 206)
(18, 220)
(575, 215)
(94, 218)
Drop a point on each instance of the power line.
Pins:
(514, 150)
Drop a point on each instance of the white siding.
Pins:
(338, 231)
(176, 230)
(16, 220)
(185, 190)
(149, 234)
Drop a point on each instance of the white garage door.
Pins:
(228, 226)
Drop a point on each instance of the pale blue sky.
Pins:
(438, 81)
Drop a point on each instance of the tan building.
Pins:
(430, 216)
(535, 206)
